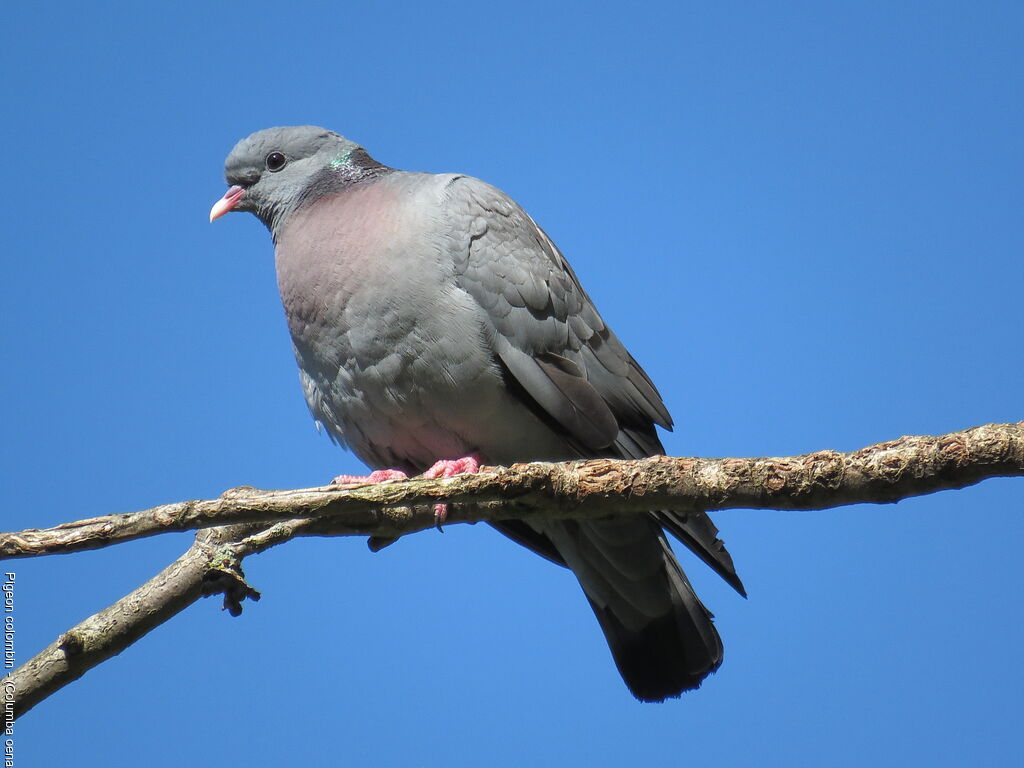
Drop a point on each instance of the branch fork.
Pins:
(246, 521)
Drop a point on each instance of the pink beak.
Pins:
(226, 203)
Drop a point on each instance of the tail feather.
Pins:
(661, 636)
(699, 534)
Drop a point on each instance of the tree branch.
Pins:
(240, 522)
(887, 472)
(212, 565)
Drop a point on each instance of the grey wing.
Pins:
(546, 330)
(552, 340)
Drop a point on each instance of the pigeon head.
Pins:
(273, 171)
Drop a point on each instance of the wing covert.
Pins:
(545, 329)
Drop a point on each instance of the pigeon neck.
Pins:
(351, 166)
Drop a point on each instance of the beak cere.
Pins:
(226, 203)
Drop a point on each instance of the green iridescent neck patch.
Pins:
(341, 159)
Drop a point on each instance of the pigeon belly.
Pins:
(393, 355)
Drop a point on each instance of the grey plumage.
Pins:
(432, 318)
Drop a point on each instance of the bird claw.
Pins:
(375, 543)
(467, 465)
(377, 476)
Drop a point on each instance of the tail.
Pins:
(661, 636)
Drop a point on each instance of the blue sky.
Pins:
(804, 219)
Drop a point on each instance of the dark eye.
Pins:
(276, 161)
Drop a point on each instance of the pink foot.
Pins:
(377, 476)
(467, 465)
(376, 543)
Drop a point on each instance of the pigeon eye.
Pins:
(276, 161)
